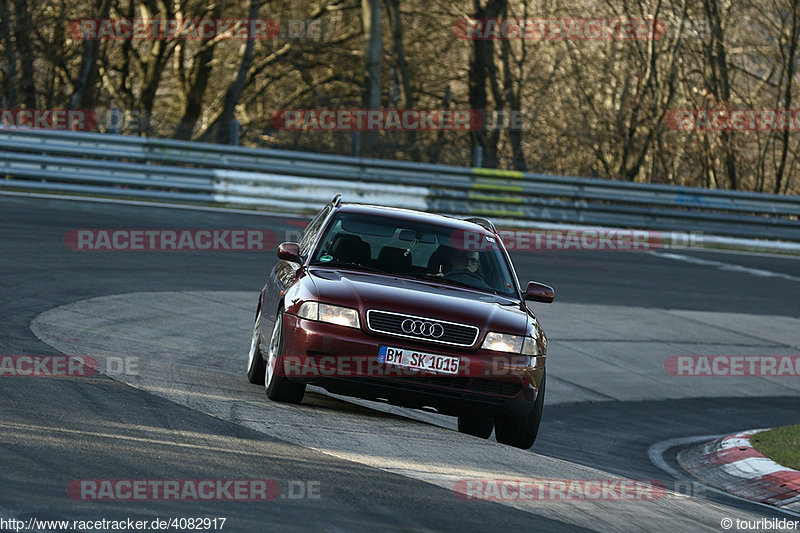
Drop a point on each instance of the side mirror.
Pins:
(290, 251)
(539, 292)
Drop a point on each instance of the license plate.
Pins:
(429, 362)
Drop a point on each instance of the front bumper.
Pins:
(345, 361)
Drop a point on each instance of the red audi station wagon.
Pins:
(414, 309)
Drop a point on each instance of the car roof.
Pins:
(411, 215)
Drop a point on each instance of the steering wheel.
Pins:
(473, 279)
(462, 273)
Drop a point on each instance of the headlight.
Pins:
(502, 342)
(332, 314)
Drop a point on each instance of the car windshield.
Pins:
(422, 251)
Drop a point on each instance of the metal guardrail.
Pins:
(164, 169)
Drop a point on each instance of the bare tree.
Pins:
(592, 107)
(789, 58)
(371, 14)
(193, 84)
(483, 72)
(9, 69)
(22, 33)
(401, 65)
(86, 85)
(153, 55)
(719, 82)
(371, 20)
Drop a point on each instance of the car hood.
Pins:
(366, 291)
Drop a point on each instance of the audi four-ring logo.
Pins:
(420, 327)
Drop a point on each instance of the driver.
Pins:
(465, 269)
(466, 260)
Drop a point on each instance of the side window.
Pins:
(310, 233)
(422, 254)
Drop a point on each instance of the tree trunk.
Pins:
(393, 9)
(720, 83)
(481, 70)
(22, 34)
(794, 35)
(156, 55)
(85, 87)
(195, 87)
(10, 78)
(371, 14)
(236, 88)
(513, 99)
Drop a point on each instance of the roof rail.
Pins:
(483, 223)
(337, 200)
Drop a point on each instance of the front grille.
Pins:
(392, 324)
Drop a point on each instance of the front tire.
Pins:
(256, 366)
(521, 431)
(280, 388)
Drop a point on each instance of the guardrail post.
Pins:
(113, 122)
(477, 156)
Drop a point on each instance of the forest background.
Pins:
(600, 108)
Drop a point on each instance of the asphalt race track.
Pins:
(186, 411)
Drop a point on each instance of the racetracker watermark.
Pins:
(38, 366)
(377, 119)
(176, 523)
(393, 362)
(152, 240)
(587, 239)
(733, 119)
(733, 365)
(117, 120)
(304, 29)
(49, 119)
(695, 28)
(559, 29)
(192, 490)
(559, 490)
(94, 29)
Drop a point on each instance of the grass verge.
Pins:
(782, 445)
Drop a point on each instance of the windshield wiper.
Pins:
(448, 281)
(357, 266)
(456, 283)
